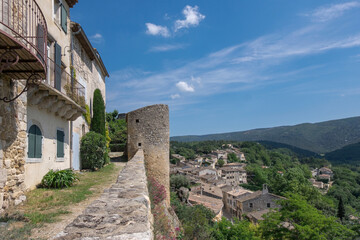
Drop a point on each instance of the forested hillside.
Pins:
(347, 155)
(320, 137)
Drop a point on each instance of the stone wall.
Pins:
(148, 129)
(122, 212)
(87, 71)
(12, 145)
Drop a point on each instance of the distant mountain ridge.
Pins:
(319, 137)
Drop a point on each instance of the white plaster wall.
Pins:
(48, 123)
(62, 38)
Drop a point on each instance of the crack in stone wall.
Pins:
(122, 212)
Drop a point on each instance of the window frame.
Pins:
(60, 158)
(34, 159)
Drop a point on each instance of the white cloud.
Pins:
(192, 18)
(263, 61)
(185, 87)
(327, 13)
(153, 29)
(175, 96)
(96, 38)
(166, 47)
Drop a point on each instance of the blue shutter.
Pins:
(31, 141)
(40, 37)
(63, 18)
(57, 67)
(38, 143)
(60, 136)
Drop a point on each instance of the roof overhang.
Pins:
(71, 3)
(92, 52)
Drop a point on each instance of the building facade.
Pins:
(40, 98)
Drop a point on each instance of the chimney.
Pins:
(265, 189)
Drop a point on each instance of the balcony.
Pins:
(23, 39)
(60, 93)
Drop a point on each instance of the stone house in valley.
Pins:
(258, 201)
(41, 101)
(233, 176)
(230, 195)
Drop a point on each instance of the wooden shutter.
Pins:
(40, 36)
(60, 136)
(38, 143)
(57, 67)
(31, 141)
(63, 18)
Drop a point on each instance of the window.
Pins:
(60, 14)
(268, 205)
(56, 13)
(60, 136)
(34, 142)
(250, 205)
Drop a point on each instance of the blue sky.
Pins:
(229, 65)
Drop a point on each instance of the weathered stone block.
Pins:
(3, 175)
(1, 200)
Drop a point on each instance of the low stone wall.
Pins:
(122, 212)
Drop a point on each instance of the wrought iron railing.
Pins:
(62, 81)
(24, 22)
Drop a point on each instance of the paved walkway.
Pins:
(122, 212)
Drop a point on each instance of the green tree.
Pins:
(98, 120)
(238, 230)
(232, 158)
(341, 209)
(297, 219)
(178, 181)
(220, 162)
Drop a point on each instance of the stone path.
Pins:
(122, 212)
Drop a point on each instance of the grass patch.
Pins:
(44, 199)
(16, 234)
(47, 205)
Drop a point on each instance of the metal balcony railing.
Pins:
(62, 81)
(23, 23)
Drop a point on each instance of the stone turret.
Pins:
(148, 129)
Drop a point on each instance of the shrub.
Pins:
(117, 147)
(59, 179)
(93, 150)
(178, 181)
(98, 120)
(157, 191)
(87, 115)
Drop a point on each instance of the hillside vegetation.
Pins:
(349, 154)
(319, 137)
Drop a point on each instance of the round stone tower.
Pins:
(148, 129)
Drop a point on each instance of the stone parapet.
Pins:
(122, 212)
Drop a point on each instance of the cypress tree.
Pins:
(341, 209)
(98, 119)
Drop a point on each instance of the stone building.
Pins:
(230, 196)
(233, 175)
(148, 129)
(39, 97)
(257, 202)
(90, 72)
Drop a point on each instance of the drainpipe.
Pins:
(72, 76)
